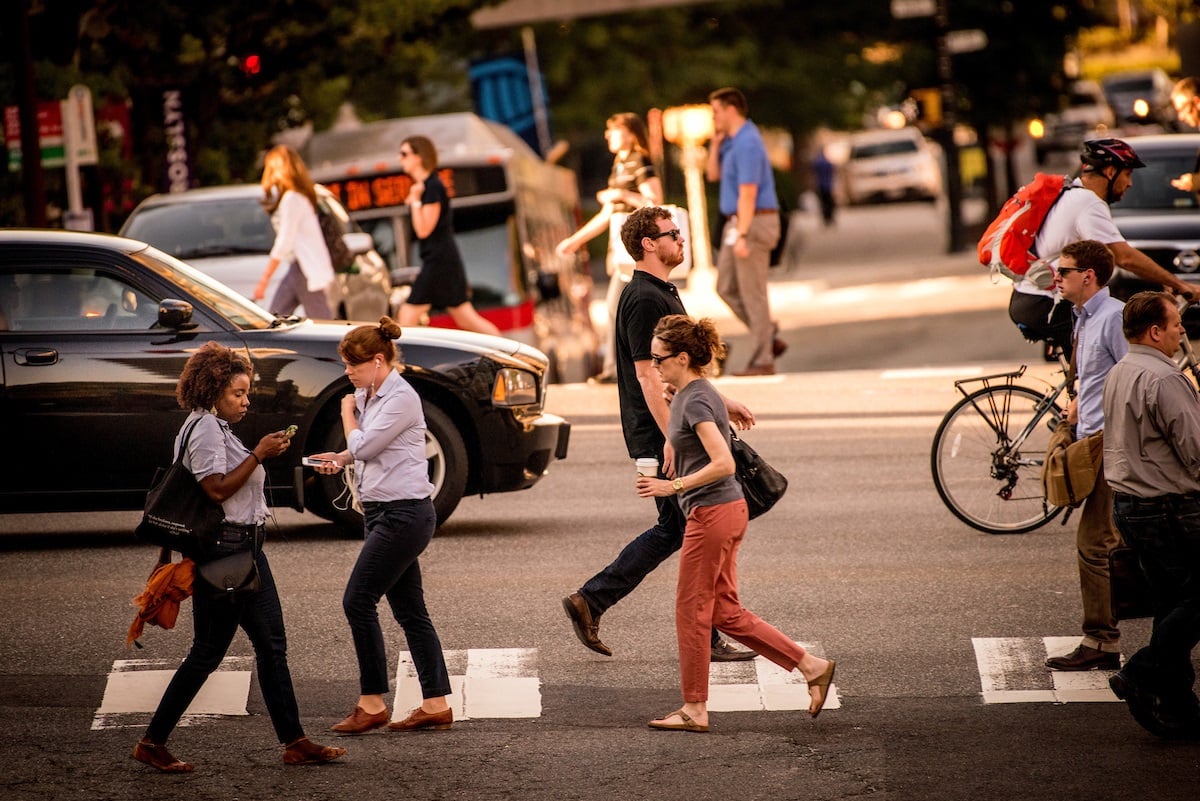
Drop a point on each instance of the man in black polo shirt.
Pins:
(656, 245)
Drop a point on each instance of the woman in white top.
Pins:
(632, 184)
(385, 436)
(290, 197)
(215, 385)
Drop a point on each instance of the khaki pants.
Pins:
(1096, 536)
(742, 283)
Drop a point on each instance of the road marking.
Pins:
(761, 685)
(135, 687)
(1012, 671)
(484, 683)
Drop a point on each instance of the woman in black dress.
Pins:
(442, 282)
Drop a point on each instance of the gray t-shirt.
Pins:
(696, 403)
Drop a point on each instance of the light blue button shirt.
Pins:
(214, 449)
(1099, 344)
(389, 445)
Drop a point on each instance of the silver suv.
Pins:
(225, 232)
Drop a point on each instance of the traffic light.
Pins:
(251, 64)
(929, 105)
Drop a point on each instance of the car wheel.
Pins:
(448, 463)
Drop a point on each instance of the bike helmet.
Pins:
(1100, 153)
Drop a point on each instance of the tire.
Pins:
(448, 463)
(448, 468)
(984, 484)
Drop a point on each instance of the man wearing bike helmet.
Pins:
(1106, 171)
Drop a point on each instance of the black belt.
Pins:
(1158, 501)
(248, 528)
(398, 502)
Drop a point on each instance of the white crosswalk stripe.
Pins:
(761, 685)
(135, 686)
(484, 683)
(1011, 671)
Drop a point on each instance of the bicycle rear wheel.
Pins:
(984, 478)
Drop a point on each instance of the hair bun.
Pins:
(389, 327)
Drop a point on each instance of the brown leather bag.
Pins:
(1071, 466)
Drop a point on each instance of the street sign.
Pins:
(50, 135)
(903, 9)
(966, 41)
(79, 125)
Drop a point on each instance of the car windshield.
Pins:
(869, 150)
(1152, 188)
(199, 229)
(229, 304)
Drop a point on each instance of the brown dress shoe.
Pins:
(360, 722)
(586, 628)
(757, 369)
(725, 651)
(778, 347)
(304, 751)
(1086, 658)
(157, 756)
(420, 719)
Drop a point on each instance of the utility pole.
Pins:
(33, 183)
(945, 67)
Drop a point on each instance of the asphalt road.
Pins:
(938, 630)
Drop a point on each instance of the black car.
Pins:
(95, 330)
(1156, 218)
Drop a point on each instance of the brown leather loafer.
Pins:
(304, 751)
(1086, 658)
(756, 369)
(725, 651)
(420, 719)
(158, 757)
(586, 628)
(359, 722)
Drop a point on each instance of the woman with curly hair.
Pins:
(712, 500)
(290, 197)
(215, 386)
(385, 435)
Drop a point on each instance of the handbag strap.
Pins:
(187, 435)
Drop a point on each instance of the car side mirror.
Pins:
(175, 314)
(358, 242)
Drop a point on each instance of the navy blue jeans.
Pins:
(216, 621)
(397, 532)
(1165, 534)
(638, 559)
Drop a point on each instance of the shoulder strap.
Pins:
(187, 435)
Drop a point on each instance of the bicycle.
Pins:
(988, 451)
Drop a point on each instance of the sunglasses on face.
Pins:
(658, 360)
(1066, 270)
(673, 233)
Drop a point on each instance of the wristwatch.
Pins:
(677, 485)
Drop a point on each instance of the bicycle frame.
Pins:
(994, 417)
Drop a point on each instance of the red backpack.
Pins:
(1007, 245)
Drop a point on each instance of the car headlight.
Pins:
(514, 387)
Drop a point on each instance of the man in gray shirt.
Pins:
(1152, 462)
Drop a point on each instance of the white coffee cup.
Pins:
(647, 466)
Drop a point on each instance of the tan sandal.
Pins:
(687, 723)
(822, 683)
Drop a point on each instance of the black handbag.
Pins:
(1130, 592)
(762, 484)
(178, 514)
(229, 568)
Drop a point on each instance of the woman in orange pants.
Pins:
(712, 500)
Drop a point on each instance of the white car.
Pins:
(891, 165)
(225, 232)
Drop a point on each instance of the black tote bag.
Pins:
(178, 514)
(762, 484)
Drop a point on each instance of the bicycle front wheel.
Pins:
(987, 459)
